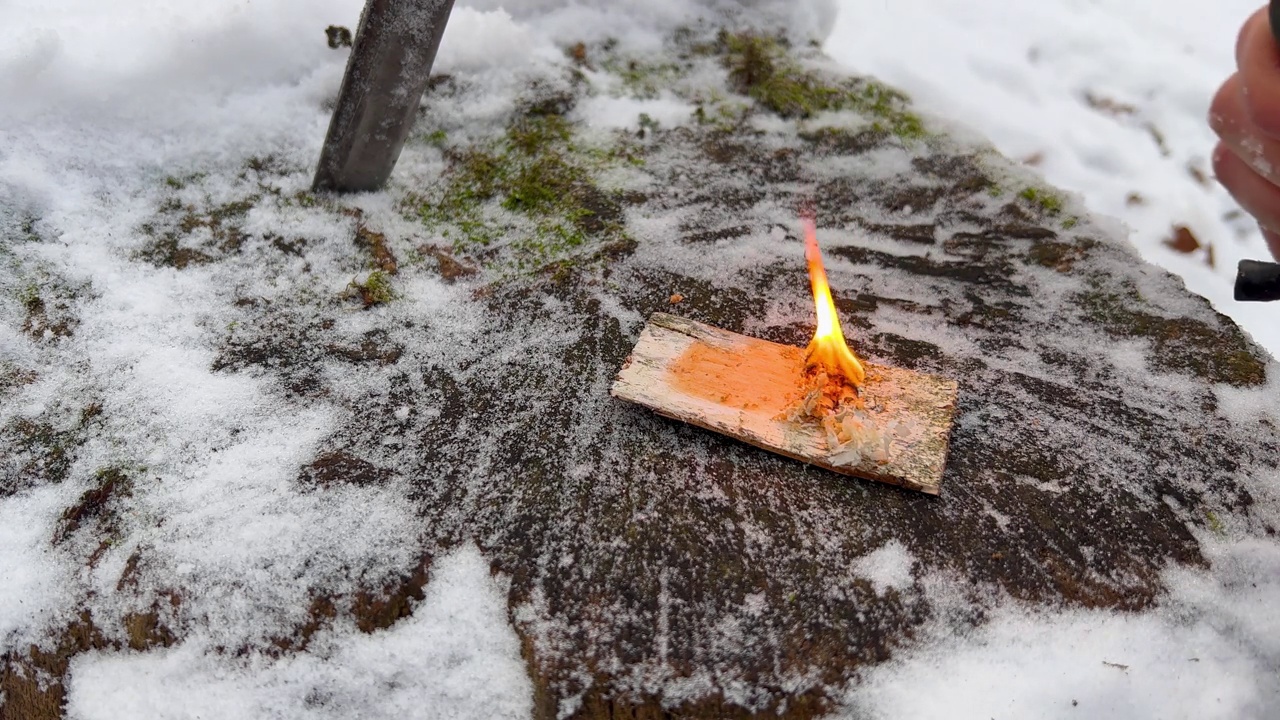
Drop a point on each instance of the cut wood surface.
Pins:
(745, 388)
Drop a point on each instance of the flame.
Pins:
(828, 349)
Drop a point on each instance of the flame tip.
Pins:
(828, 347)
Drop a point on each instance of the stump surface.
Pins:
(1108, 423)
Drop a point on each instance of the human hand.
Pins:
(1245, 114)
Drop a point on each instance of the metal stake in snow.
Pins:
(386, 75)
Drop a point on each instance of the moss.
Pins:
(760, 67)
(375, 290)
(267, 164)
(1048, 202)
(644, 80)
(338, 36)
(1180, 344)
(537, 175)
(1215, 524)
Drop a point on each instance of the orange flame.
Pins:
(828, 349)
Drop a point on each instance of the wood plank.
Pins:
(390, 64)
(746, 388)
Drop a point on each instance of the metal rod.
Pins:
(390, 64)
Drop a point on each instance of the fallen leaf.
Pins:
(1182, 241)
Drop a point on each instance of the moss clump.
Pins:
(533, 188)
(1049, 202)
(760, 67)
(375, 290)
(437, 138)
(338, 36)
(1180, 344)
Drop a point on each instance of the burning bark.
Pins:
(896, 430)
(822, 405)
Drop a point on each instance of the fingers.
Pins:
(1249, 29)
(1245, 113)
(1229, 117)
(1258, 58)
(1254, 193)
(1273, 242)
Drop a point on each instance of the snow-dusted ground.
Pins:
(102, 101)
(1107, 98)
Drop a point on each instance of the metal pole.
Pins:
(390, 64)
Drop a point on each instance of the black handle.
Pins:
(1257, 281)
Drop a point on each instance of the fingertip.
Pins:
(1218, 160)
(1273, 240)
(1225, 108)
(1259, 63)
(1254, 193)
(1250, 28)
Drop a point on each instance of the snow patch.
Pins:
(888, 568)
(456, 657)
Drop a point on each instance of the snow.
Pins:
(1103, 664)
(455, 657)
(104, 101)
(888, 567)
(1023, 75)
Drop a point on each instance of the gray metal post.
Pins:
(386, 75)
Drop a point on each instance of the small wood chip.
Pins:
(677, 298)
(748, 389)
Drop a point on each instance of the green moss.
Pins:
(532, 188)
(437, 138)
(647, 123)
(643, 80)
(1215, 524)
(1049, 202)
(760, 67)
(375, 290)
(1070, 222)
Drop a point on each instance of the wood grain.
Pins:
(743, 387)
